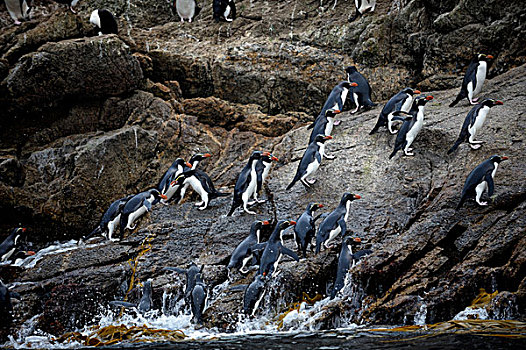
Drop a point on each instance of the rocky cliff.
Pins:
(85, 120)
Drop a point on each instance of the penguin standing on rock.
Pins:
(275, 249)
(262, 169)
(473, 123)
(310, 161)
(198, 301)
(243, 252)
(14, 244)
(137, 206)
(105, 21)
(323, 126)
(173, 171)
(473, 80)
(363, 6)
(304, 230)
(480, 179)
(411, 126)
(110, 220)
(345, 261)
(335, 222)
(224, 10)
(18, 10)
(186, 9)
(361, 94)
(336, 99)
(402, 101)
(246, 183)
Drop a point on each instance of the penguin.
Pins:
(304, 230)
(274, 249)
(13, 244)
(70, 3)
(262, 169)
(198, 301)
(186, 9)
(190, 273)
(105, 21)
(6, 305)
(336, 99)
(173, 171)
(402, 101)
(480, 179)
(224, 10)
(473, 79)
(110, 220)
(335, 222)
(473, 123)
(145, 303)
(411, 127)
(180, 185)
(246, 183)
(363, 6)
(137, 206)
(243, 252)
(361, 95)
(18, 10)
(345, 262)
(310, 161)
(323, 126)
(253, 296)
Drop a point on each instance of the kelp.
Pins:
(101, 336)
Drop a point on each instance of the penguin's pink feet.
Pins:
(71, 8)
(475, 99)
(337, 122)
(329, 156)
(483, 204)
(17, 23)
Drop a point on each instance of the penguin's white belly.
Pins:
(227, 13)
(135, 215)
(329, 126)
(333, 234)
(470, 91)
(343, 97)
(250, 189)
(481, 187)
(256, 305)
(413, 132)
(365, 5)
(406, 106)
(312, 167)
(277, 263)
(112, 224)
(481, 77)
(355, 98)
(198, 187)
(170, 192)
(15, 9)
(266, 170)
(185, 8)
(7, 255)
(479, 121)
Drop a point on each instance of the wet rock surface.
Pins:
(84, 121)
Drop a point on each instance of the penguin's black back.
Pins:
(108, 22)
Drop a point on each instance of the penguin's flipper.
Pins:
(290, 253)
(122, 303)
(491, 184)
(259, 246)
(321, 216)
(175, 269)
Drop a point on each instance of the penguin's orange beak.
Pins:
(358, 240)
(354, 84)
(320, 205)
(336, 111)
(24, 229)
(429, 98)
(274, 159)
(417, 92)
(164, 196)
(265, 222)
(490, 57)
(504, 158)
(328, 137)
(292, 222)
(188, 165)
(357, 196)
(207, 155)
(264, 274)
(499, 102)
(30, 252)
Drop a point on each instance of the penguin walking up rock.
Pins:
(137, 206)
(304, 230)
(105, 21)
(198, 301)
(262, 169)
(335, 222)
(402, 101)
(361, 94)
(169, 176)
(275, 249)
(411, 127)
(14, 244)
(224, 10)
(473, 124)
(186, 9)
(345, 262)
(473, 79)
(310, 161)
(362, 6)
(336, 99)
(480, 179)
(246, 183)
(243, 252)
(110, 220)
(323, 126)
(254, 294)
(18, 10)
